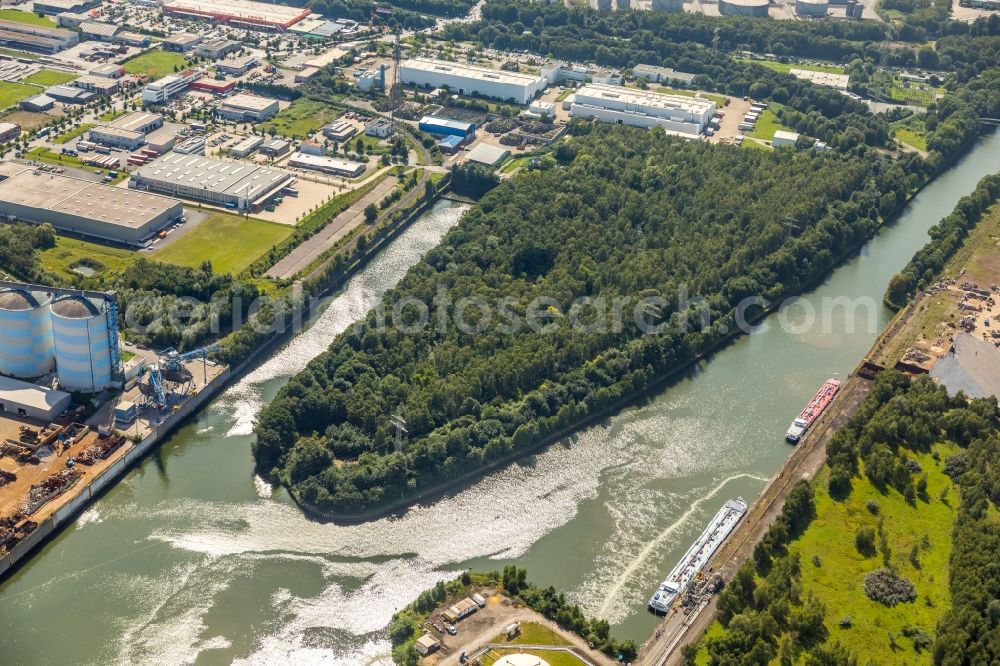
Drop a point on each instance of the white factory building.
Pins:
(471, 80)
(643, 108)
(161, 90)
(236, 185)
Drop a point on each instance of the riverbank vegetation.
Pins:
(628, 214)
(947, 238)
(898, 561)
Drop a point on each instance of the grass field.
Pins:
(28, 18)
(43, 154)
(875, 631)
(766, 126)
(230, 242)
(70, 251)
(11, 93)
(49, 77)
(302, 117)
(155, 63)
(911, 138)
(553, 658)
(834, 571)
(69, 135)
(20, 54)
(787, 67)
(533, 633)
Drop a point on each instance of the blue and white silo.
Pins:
(82, 343)
(26, 347)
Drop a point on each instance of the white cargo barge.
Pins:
(698, 555)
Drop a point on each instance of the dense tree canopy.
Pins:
(630, 214)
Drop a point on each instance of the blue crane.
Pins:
(156, 381)
(172, 360)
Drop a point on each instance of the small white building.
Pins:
(783, 138)
(380, 128)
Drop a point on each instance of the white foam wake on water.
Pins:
(88, 517)
(658, 540)
(264, 489)
(360, 295)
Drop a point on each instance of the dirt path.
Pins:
(679, 629)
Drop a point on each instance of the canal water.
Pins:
(191, 559)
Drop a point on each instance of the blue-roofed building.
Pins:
(446, 127)
(450, 144)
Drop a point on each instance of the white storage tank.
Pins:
(82, 343)
(743, 7)
(668, 5)
(25, 334)
(811, 7)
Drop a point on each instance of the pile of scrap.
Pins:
(18, 451)
(13, 530)
(101, 449)
(50, 488)
(7, 477)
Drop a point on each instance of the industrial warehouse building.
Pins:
(471, 80)
(181, 42)
(247, 108)
(53, 7)
(232, 184)
(36, 38)
(236, 66)
(98, 84)
(32, 401)
(161, 90)
(214, 49)
(643, 108)
(239, 12)
(70, 94)
(446, 127)
(128, 132)
(83, 206)
(331, 165)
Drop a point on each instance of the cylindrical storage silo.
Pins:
(812, 8)
(25, 334)
(83, 348)
(743, 7)
(668, 5)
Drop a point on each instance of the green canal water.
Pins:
(190, 559)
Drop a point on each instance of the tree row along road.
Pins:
(678, 628)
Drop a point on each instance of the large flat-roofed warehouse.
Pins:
(243, 108)
(643, 108)
(129, 131)
(54, 7)
(232, 184)
(36, 38)
(83, 206)
(471, 80)
(326, 164)
(240, 12)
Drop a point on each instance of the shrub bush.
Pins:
(889, 588)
